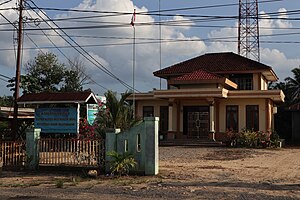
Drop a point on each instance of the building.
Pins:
(295, 114)
(210, 94)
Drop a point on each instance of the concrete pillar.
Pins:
(151, 148)
(32, 148)
(110, 145)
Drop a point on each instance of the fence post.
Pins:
(32, 148)
(151, 145)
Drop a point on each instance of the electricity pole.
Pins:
(18, 69)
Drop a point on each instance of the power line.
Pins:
(89, 58)
(5, 2)
(37, 47)
(3, 79)
(143, 13)
(144, 43)
(5, 76)
(66, 56)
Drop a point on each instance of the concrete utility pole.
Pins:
(18, 69)
(248, 29)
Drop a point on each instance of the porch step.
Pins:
(190, 142)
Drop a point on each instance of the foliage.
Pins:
(252, 139)
(290, 87)
(71, 82)
(293, 85)
(6, 101)
(122, 163)
(77, 66)
(59, 183)
(46, 74)
(274, 139)
(87, 131)
(116, 113)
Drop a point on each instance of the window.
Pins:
(252, 117)
(232, 118)
(138, 143)
(148, 111)
(244, 81)
(126, 146)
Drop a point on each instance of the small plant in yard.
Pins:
(122, 163)
(59, 183)
(274, 139)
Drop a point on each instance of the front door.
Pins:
(196, 121)
(163, 122)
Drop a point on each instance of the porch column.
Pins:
(268, 115)
(170, 125)
(212, 120)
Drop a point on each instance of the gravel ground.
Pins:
(185, 173)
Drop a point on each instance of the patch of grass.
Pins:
(125, 181)
(20, 184)
(59, 183)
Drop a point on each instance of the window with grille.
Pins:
(244, 81)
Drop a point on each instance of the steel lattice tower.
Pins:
(248, 29)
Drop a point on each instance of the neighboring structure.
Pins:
(64, 116)
(295, 115)
(7, 113)
(210, 94)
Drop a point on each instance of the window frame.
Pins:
(252, 111)
(151, 110)
(244, 81)
(232, 112)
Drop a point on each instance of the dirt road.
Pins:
(185, 173)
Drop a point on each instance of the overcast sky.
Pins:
(278, 36)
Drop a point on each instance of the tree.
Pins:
(117, 113)
(71, 82)
(77, 66)
(46, 74)
(6, 101)
(293, 85)
(290, 87)
(43, 74)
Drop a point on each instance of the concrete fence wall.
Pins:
(141, 141)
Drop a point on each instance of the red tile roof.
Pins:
(58, 97)
(198, 75)
(213, 62)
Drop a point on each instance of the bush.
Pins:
(122, 163)
(252, 139)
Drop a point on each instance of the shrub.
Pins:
(274, 139)
(87, 131)
(122, 163)
(252, 139)
(59, 183)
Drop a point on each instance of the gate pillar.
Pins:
(32, 148)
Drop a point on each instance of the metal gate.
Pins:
(12, 154)
(71, 152)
